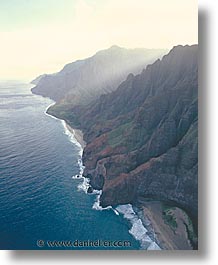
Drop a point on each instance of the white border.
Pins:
(208, 173)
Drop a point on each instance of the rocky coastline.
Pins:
(142, 145)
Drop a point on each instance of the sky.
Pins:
(41, 36)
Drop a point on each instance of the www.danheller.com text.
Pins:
(85, 243)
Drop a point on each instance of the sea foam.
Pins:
(137, 228)
(85, 181)
(97, 205)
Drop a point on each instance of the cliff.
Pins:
(142, 137)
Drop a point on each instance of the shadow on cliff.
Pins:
(90, 256)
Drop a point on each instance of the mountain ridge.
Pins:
(83, 80)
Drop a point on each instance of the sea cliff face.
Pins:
(142, 138)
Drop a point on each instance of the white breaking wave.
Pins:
(97, 205)
(45, 112)
(85, 183)
(137, 230)
(72, 138)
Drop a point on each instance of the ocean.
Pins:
(40, 202)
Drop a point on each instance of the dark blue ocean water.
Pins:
(39, 200)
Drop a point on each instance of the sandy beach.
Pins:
(168, 238)
(78, 134)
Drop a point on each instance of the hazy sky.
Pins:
(41, 36)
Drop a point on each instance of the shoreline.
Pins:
(140, 230)
(78, 134)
